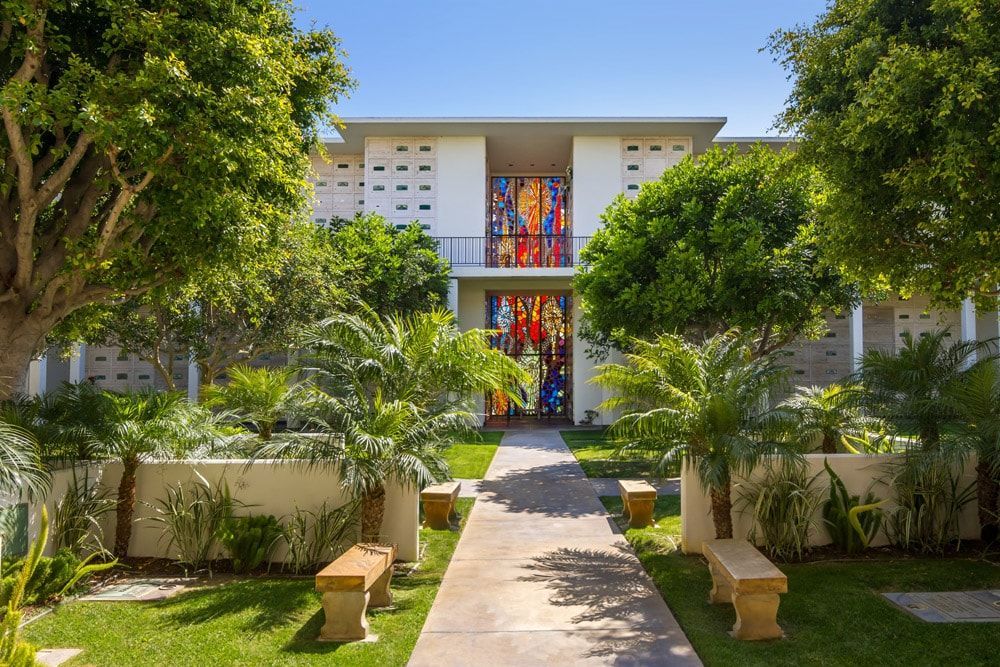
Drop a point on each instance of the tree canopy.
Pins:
(896, 101)
(141, 141)
(725, 241)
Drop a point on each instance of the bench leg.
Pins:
(436, 514)
(345, 617)
(380, 595)
(640, 513)
(722, 592)
(756, 617)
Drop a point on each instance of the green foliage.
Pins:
(250, 540)
(14, 651)
(393, 393)
(77, 521)
(708, 403)
(21, 468)
(724, 241)
(908, 386)
(145, 141)
(929, 498)
(781, 504)
(390, 270)
(896, 102)
(259, 396)
(315, 538)
(852, 522)
(831, 415)
(192, 519)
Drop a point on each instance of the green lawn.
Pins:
(595, 454)
(251, 622)
(471, 460)
(833, 614)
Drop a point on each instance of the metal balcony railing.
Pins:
(496, 252)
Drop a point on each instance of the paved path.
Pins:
(603, 486)
(541, 575)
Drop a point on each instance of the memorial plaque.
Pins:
(139, 590)
(950, 607)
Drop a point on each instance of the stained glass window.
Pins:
(535, 330)
(527, 226)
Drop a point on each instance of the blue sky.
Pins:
(645, 58)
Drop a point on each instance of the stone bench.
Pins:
(638, 499)
(742, 576)
(359, 577)
(439, 503)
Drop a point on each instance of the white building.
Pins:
(512, 201)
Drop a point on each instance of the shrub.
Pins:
(315, 538)
(192, 519)
(76, 525)
(782, 504)
(249, 540)
(852, 522)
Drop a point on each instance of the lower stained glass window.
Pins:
(535, 330)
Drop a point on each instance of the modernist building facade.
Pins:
(512, 201)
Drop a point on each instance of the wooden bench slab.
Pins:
(357, 568)
(742, 576)
(359, 577)
(638, 499)
(439, 503)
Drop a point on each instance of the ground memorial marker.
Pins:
(950, 607)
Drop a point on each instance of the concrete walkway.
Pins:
(541, 575)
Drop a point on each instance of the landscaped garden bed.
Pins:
(833, 613)
(255, 620)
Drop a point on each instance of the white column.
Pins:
(37, 375)
(194, 381)
(968, 322)
(78, 364)
(857, 336)
(453, 297)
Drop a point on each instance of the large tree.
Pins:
(225, 315)
(896, 101)
(141, 140)
(725, 241)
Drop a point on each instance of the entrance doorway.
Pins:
(535, 330)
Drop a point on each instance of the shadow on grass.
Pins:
(270, 602)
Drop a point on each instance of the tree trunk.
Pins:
(372, 511)
(929, 437)
(829, 444)
(125, 507)
(722, 512)
(987, 494)
(21, 337)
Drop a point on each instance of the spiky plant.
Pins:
(907, 387)
(394, 392)
(830, 414)
(259, 396)
(706, 402)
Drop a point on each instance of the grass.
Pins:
(472, 460)
(595, 453)
(247, 622)
(833, 614)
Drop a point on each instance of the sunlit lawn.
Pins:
(471, 460)
(262, 621)
(596, 456)
(833, 613)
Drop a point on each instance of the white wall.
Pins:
(858, 472)
(461, 197)
(268, 487)
(597, 180)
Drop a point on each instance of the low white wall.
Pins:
(268, 487)
(859, 473)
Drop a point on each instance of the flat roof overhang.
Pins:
(523, 141)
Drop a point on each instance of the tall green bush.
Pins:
(250, 540)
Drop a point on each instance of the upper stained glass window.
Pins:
(528, 226)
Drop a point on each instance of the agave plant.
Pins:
(706, 402)
(394, 393)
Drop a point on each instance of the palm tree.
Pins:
(907, 387)
(21, 467)
(259, 396)
(975, 399)
(708, 403)
(393, 393)
(143, 425)
(831, 414)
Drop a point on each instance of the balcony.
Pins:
(512, 252)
